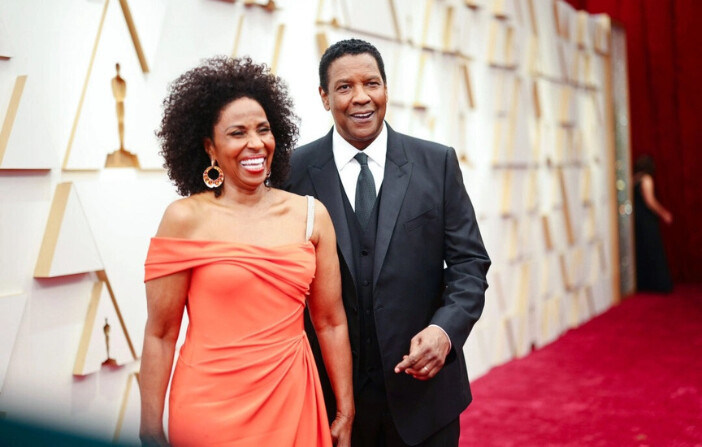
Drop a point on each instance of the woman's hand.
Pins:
(154, 439)
(341, 430)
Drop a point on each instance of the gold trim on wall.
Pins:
(11, 114)
(53, 227)
(135, 35)
(89, 324)
(140, 55)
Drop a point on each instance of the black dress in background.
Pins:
(652, 273)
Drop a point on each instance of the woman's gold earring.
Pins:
(213, 182)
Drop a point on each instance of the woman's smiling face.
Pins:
(242, 144)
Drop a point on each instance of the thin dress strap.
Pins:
(310, 217)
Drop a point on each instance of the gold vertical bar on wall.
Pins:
(85, 85)
(497, 141)
(79, 366)
(322, 42)
(536, 98)
(509, 44)
(427, 21)
(492, 42)
(420, 80)
(513, 236)
(522, 298)
(320, 8)
(548, 239)
(513, 118)
(51, 233)
(532, 18)
(123, 407)
(566, 208)
(506, 192)
(11, 114)
(135, 36)
(468, 84)
(498, 8)
(103, 276)
(448, 29)
(237, 38)
(395, 20)
(276, 49)
(564, 272)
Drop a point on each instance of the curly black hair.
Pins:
(343, 48)
(193, 106)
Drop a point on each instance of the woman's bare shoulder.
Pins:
(181, 216)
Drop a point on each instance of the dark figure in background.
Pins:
(400, 211)
(652, 273)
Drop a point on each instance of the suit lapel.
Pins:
(395, 181)
(327, 186)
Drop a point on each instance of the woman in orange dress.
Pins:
(244, 258)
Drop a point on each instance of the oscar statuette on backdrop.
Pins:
(121, 158)
(109, 361)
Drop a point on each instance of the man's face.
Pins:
(356, 97)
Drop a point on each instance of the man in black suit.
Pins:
(413, 263)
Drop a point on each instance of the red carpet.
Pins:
(629, 377)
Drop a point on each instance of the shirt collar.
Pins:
(344, 151)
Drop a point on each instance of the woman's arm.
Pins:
(649, 196)
(165, 301)
(329, 320)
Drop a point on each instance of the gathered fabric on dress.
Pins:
(245, 375)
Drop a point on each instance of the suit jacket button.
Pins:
(366, 282)
(364, 252)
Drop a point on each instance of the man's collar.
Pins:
(376, 151)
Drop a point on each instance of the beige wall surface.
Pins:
(519, 87)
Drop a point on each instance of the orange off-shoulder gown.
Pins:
(245, 375)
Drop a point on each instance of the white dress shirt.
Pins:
(349, 167)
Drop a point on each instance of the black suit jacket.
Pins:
(425, 220)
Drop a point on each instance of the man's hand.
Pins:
(428, 351)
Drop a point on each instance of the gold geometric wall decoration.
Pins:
(140, 56)
(603, 34)
(322, 42)
(254, 47)
(507, 184)
(11, 114)
(129, 409)
(12, 307)
(395, 20)
(237, 39)
(266, 5)
(565, 208)
(548, 238)
(276, 49)
(448, 30)
(470, 96)
(134, 35)
(332, 12)
(582, 37)
(105, 341)
(68, 246)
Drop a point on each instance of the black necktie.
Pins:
(365, 190)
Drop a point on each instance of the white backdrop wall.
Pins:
(518, 87)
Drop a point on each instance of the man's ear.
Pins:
(325, 98)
